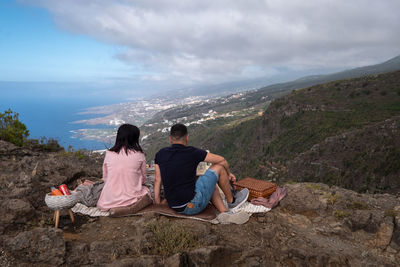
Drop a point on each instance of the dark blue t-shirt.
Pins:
(178, 165)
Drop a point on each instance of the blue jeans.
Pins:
(205, 186)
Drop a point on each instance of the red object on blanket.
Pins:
(64, 189)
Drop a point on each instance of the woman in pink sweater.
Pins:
(124, 172)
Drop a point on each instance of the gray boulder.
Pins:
(40, 245)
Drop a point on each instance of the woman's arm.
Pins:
(144, 171)
(157, 184)
(104, 172)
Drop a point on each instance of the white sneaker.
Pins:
(233, 217)
(240, 198)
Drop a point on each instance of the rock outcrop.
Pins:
(26, 176)
(40, 245)
(314, 225)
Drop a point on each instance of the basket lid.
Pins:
(255, 184)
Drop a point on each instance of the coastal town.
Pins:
(156, 116)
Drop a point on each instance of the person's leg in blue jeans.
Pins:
(224, 184)
(206, 190)
(205, 186)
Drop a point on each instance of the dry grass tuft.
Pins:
(171, 238)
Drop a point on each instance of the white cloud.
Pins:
(217, 40)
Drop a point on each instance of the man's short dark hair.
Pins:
(178, 131)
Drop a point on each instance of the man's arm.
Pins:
(217, 159)
(157, 184)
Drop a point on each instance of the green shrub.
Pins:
(314, 186)
(340, 214)
(43, 144)
(71, 152)
(355, 205)
(80, 154)
(333, 198)
(11, 129)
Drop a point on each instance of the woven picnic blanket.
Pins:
(251, 208)
(90, 211)
(208, 215)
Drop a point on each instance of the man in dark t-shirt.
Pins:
(175, 168)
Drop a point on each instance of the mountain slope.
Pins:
(387, 66)
(293, 124)
(366, 159)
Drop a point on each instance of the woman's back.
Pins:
(123, 174)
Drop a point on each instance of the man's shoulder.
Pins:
(163, 150)
(193, 148)
(177, 150)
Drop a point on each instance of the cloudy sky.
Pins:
(176, 43)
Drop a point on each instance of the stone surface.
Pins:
(40, 245)
(314, 225)
(143, 261)
(385, 233)
(360, 219)
(311, 201)
(21, 210)
(102, 252)
(212, 256)
(177, 260)
(78, 253)
(26, 176)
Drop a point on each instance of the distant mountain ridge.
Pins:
(390, 65)
(387, 66)
(278, 82)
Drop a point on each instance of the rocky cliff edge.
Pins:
(314, 225)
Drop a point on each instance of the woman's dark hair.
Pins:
(127, 138)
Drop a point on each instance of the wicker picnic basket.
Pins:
(60, 202)
(257, 188)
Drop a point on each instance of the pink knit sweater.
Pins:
(123, 177)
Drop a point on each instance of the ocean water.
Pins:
(51, 115)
